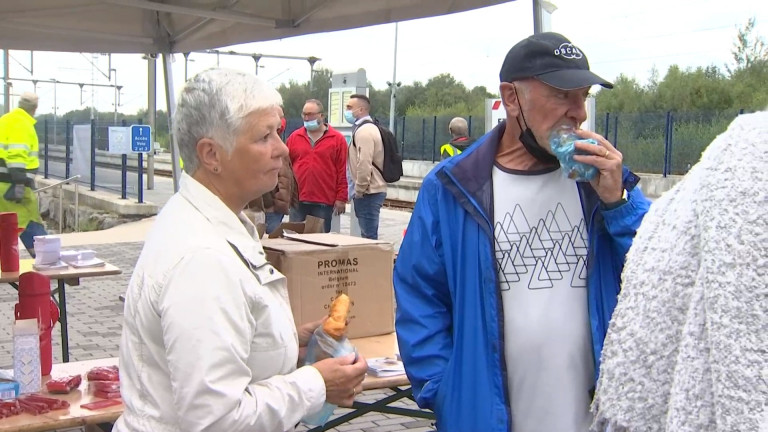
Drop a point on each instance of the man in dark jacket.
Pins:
(460, 138)
(509, 271)
(278, 203)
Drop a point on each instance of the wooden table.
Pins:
(64, 276)
(66, 418)
(379, 346)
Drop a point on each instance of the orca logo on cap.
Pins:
(569, 51)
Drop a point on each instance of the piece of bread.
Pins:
(336, 324)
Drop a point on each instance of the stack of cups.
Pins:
(47, 249)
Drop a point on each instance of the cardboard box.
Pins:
(320, 266)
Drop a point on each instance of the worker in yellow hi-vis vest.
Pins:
(460, 138)
(18, 164)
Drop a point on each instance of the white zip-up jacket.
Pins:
(208, 343)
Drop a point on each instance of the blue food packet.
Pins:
(562, 141)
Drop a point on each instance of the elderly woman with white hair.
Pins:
(209, 342)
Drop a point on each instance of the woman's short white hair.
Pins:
(213, 104)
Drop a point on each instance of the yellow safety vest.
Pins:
(3, 138)
(448, 150)
(19, 149)
(18, 140)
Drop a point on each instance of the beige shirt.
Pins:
(209, 344)
(366, 151)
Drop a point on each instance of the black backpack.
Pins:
(393, 162)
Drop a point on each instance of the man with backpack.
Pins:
(366, 159)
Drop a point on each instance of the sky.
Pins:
(617, 36)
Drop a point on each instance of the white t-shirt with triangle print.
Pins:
(541, 251)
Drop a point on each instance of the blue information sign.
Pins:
(141, 139)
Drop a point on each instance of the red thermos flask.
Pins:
(35, 302)
(9, 242)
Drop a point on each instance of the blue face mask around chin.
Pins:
(312, 125)
(349, 117)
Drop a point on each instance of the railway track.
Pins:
(398, 204)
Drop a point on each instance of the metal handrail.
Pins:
(57, 184)
(60, 185)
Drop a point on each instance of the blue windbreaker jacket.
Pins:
(449, 315)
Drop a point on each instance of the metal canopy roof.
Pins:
(166, 26)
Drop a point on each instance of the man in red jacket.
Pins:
(318, 153)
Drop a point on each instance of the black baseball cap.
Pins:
(552, 59)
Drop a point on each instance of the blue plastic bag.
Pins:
(562, 141)
(322, 346)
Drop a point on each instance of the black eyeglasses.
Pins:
(309, 114)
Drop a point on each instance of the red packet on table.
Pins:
(104, 373)
(105, 386)
(63, 384)
(105, 389)
(106, 403)
(48, 403)
(106, 395)
(9, 407)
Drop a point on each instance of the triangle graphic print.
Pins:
(544, 235)
(540, 279)
(562, 262)
(539, 251)
(579, 245)
(552, 268)
(570, 253)
(555, 232)
(520, 224)
(583, 230)
(518, 261)
(502, 238)
(561, 219)
(528, 257)
(509, 272)
(579, 279)
(507, 230)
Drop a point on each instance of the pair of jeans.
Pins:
(367, 210)
(273, 220)
(27, 237)
(304, 209)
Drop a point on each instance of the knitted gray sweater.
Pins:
(687, 348)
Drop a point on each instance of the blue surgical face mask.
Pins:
(312, 125)
(349, 117)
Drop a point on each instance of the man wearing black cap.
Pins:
(509, 272)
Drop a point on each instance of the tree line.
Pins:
(440, 95)
(665, 124)
(739, 85)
